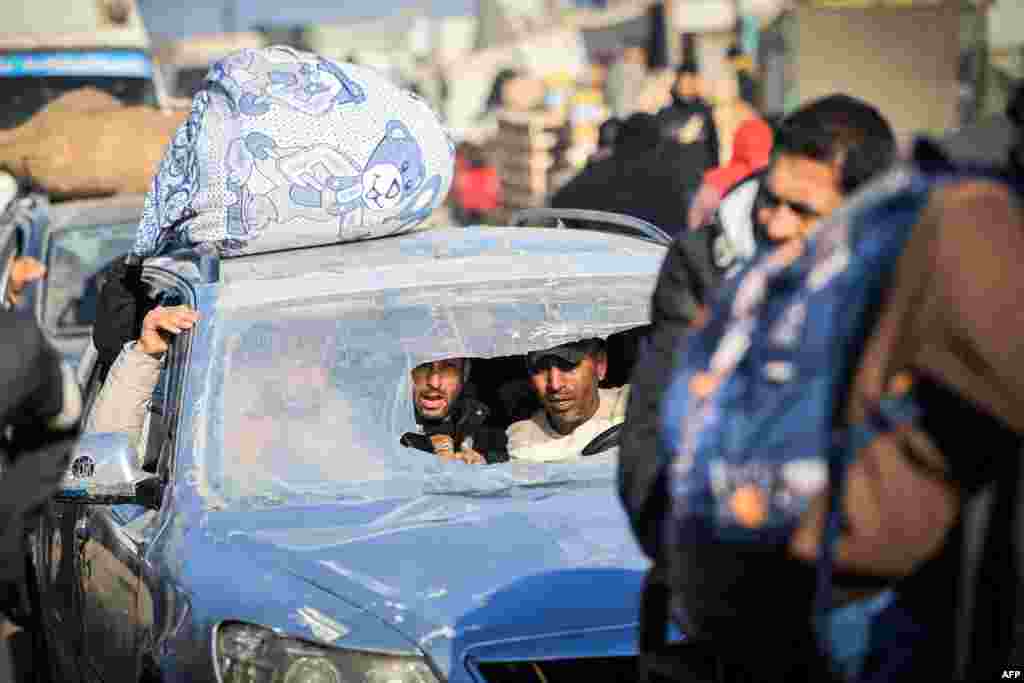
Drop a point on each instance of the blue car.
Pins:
(76, 241)
(272, 526)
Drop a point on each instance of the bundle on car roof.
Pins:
(286, 148)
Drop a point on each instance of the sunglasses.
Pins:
(770, 200)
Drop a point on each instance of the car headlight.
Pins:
(254, 654)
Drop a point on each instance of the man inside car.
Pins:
(453, 421)
(574, 409)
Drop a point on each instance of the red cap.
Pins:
(751, 151)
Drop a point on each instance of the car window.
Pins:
(312, 399)
(75, 257)
(156, 445)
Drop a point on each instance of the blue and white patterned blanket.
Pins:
(282, 140)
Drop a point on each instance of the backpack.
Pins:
(751, 420)
(734, 233)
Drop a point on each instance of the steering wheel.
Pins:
(418, 441)
(604, 441)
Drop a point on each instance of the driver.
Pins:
(574, 409)
(454, 421)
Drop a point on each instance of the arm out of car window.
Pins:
(126, 394)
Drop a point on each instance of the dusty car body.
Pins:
(330, 552)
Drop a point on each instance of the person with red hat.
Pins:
(751, 152)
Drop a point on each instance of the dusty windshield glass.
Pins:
(312, 399)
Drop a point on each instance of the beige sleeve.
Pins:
(125, 395)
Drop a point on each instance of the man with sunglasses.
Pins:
(823, 153)
(574, 409)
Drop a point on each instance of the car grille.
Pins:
(590, 670)
(680, 663)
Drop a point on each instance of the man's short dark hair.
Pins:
(840, 126)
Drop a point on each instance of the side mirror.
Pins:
(105, 470)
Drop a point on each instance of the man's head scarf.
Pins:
(290, 147)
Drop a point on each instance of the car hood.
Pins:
(454, 572)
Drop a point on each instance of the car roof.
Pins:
(435, 257)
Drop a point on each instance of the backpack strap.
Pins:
(976, 517)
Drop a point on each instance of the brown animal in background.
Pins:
(86, 144)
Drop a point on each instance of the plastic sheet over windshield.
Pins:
(310, 399)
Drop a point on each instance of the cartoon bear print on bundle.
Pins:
(279, 137)
(320, 183)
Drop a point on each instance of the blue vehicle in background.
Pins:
(47, 49)
(274, 526)
(77, 241)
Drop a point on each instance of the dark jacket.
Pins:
(695, 265)
(686, 280)
(466, 424)
(38, 423)
(120, 308)
(676, 116)
(653, 184)
(29, 372)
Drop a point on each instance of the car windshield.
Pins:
(312, 399)
(74, 258)
(21, 98)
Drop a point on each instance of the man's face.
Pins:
(798, 193)
(686, 86)
(569, 392)
(436, 386)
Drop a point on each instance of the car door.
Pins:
(57, 543)
(117, 605)
(56, 589)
